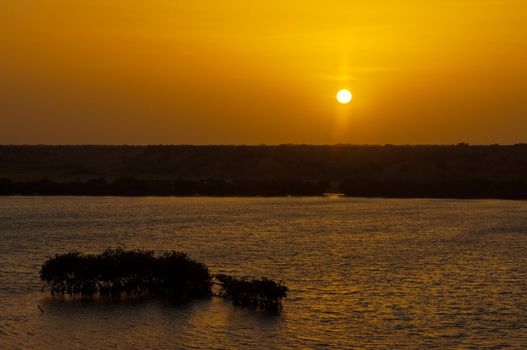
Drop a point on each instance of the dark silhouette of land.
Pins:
(117, 272)
(457, 171)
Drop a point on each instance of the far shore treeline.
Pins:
(457, 171)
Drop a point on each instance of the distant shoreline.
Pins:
(133, 187)
(455, 171)
(262, 197)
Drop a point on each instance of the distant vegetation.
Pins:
(128, 186)
(117, 272)
(460, 171)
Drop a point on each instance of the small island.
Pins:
(117, 273)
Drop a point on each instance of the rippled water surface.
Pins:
(363, 273)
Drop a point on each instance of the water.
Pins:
(363, 273)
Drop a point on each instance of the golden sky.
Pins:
(232, 72)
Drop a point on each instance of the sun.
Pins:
(344, 96)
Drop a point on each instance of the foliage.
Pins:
(449, 171)
(117, 272)
(130, 186)
(257, 293)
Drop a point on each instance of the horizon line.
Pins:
(459, 144)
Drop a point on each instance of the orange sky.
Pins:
(208, 72)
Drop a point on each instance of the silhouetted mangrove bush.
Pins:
(262, 293)
(116, 272)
